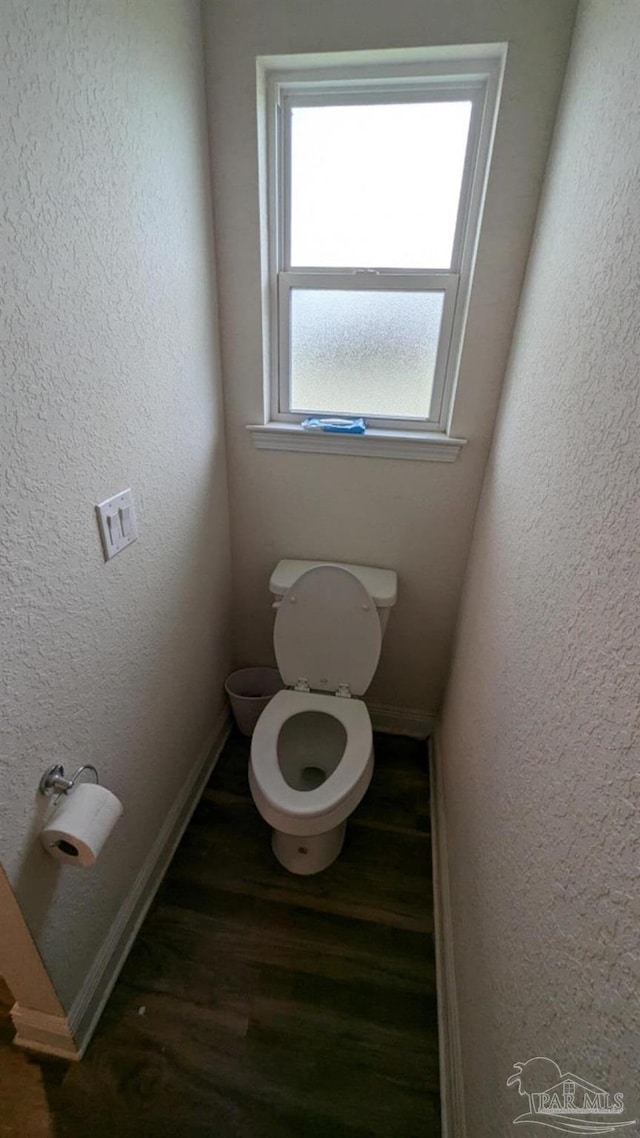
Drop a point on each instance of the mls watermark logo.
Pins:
(565, 1102)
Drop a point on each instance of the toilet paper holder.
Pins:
(54, 782)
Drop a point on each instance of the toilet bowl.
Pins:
(312, 748)
(311, 763)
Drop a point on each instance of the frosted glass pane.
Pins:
(376, 186)
(365, 353)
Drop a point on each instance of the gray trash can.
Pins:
(249, 691)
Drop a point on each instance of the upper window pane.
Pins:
(376, 186)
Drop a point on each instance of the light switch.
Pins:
(117, 523)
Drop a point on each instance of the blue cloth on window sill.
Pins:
(335, 426)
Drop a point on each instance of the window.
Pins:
(373, 177)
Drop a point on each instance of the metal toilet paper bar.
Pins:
(54, 782)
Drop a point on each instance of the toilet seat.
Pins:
(327, 635)
(304, 806)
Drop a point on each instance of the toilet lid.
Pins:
(327, 632)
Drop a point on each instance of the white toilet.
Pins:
(312, 748)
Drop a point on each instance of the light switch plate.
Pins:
(117, 523)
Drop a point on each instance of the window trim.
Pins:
(421, 446)
(467, 74)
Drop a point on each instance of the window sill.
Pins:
(425, 446)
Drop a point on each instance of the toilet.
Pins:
(312, 747)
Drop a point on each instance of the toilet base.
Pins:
(309, 853)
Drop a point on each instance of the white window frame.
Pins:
(466, 74)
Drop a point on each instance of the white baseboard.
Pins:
(68, 1037)
(48, 1034)
(401, 720)
(449, 1045)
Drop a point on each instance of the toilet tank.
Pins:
(381, 584)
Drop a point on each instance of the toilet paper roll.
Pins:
(80, 825)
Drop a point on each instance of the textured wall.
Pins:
(110, 379)
(541, 745)
(414, 517)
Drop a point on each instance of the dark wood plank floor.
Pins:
(257, 1004)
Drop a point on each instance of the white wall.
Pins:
(111, 379)
(540, 741)
(414, 517)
